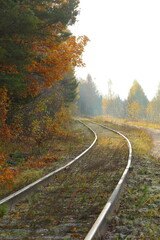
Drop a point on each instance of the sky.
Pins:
(124, 44)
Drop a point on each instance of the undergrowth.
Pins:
(23, 167)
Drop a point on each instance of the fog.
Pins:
(124, 43)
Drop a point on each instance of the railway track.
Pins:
(12, 199)
(74, 195)
(99, 228)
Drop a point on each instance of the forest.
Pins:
(39, 91)
(38, 55)
(136, 107)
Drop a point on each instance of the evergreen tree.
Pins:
(69, 88)
(89, 102)
(21, 23)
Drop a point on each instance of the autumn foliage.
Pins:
(6, 174)
(37, 51)
(57, 58)
(4, 104)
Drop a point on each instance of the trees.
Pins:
(114, 107)
(69, 88)
(112, 104)
(38, 56)
(37, 49)
(89, 102)
(153, 113)
(35, 41)
(134, 107)
(137, 97)
(18, 25)
(134, 110)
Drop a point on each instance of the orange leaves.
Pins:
(54, 59)
(6, 174)
(42, 162)
(8, 69)
(40, 8)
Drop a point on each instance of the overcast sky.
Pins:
(124, 43)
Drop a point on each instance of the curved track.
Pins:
(12, 199)
(99, 228)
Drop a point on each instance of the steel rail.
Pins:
(15, 197)
(99, 228)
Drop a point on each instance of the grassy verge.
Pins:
(138, 216)
(139, 123)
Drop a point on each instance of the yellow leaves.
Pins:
(41, 129)
(134, 110)
(74, 229)
(3, 94)
(46, 128)
(40, 8)
(153, 198)
(40, 107)
(36, 130)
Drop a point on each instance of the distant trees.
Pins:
(133, 110)
(114, 107)
(137, 102)
(153, 109)
(90, 101)
(112, 104)
(134, 107)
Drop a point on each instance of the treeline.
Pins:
(89, 101)
(38, 54)
(135, 107)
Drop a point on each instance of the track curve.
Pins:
(12, 199)
(93, 167)
(99, 228)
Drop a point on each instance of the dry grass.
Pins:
(77, 195)
(55, 152)
(139, 123)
